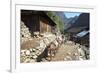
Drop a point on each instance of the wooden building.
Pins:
(37, 21)
(82, 38)
(75, 30)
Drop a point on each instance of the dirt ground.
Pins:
(66, 52)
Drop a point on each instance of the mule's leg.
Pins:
(50, 55)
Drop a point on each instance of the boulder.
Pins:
(27, 52)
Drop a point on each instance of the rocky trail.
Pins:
(66, 52)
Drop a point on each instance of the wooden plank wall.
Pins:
(45, 25)
(37, 23)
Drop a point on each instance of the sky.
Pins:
(71, 14)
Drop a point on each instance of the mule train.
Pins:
(53, 47)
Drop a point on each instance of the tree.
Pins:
(57, 20)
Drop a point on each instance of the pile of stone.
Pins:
(83, 52)
(25, 34)
(86, 52)
(31, 54)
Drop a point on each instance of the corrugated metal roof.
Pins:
(81, 34)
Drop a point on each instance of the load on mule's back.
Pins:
(54, 46)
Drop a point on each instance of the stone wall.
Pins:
(25, 34)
